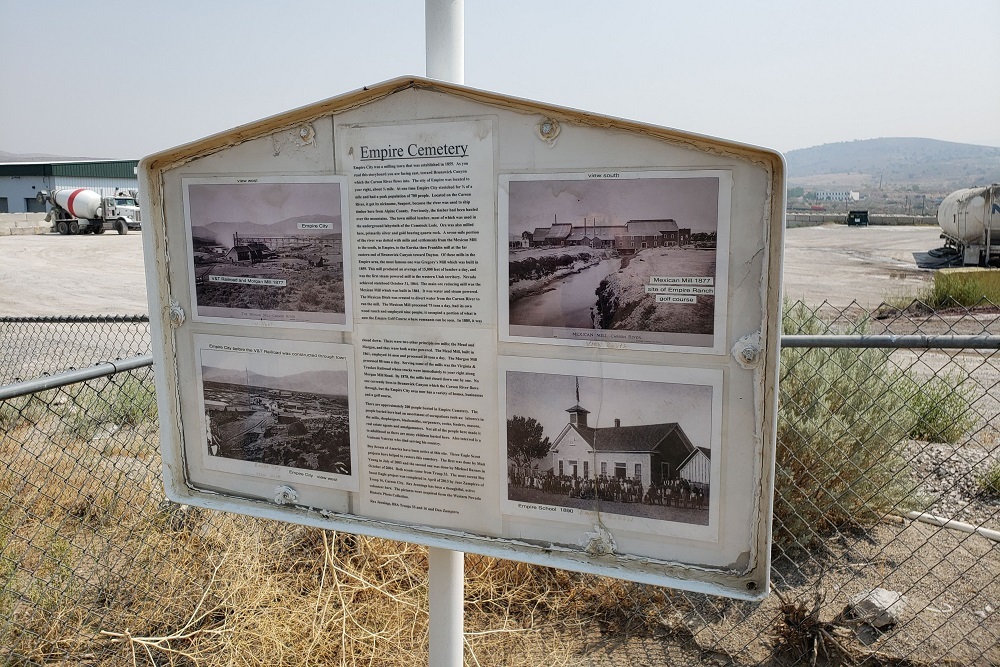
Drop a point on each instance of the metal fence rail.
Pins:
(888, 477)
(34, 346)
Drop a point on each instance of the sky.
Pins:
(263, 203)
(692, 202)
(120, 79)
(276, 366)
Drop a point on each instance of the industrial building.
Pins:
(20, 182)
(629, 238)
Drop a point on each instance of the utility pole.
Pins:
(444, 26)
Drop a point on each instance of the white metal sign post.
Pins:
(430, 313)
(445, 36)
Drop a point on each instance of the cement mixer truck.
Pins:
(83, 211)
(970, 223)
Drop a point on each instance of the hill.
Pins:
(898, 162)
(41, 157)
(222, 232)
(333, 383)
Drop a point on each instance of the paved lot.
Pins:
(841, 264)
(94, 275)
(49, 274)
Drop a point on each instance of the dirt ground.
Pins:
(840, 264)
(50, 274)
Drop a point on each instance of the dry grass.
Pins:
(96, 569)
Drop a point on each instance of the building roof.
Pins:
(644, 438)
(92, 169)
(705, 451)
(650, 227)
(606, 231)
(244, 248)
(234, 431)
(559, 231)
(539, 233)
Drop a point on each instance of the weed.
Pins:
(941, 407)
(963, 287)
(117, 404)
(958, 288)
(25, 409)
(989, 481)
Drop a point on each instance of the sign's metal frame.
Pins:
(755, 351)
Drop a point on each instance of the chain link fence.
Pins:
(34, 346)
(888, 428)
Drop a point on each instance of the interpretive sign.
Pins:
(436, 314)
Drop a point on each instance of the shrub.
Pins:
(941, 408)
(533, 268)
(989, 481)
(116, 403)
(844, 419)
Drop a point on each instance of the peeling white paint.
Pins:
(598, 543)
(285, 495)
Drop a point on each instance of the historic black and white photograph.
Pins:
(627, 258)
(271, 249)
(277, 407)
(619, 446)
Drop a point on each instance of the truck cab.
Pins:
(122, 209)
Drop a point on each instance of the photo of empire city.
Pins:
(268, 251)
(626, 254)
(288, 411)
(628, 447)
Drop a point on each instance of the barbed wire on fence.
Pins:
(877, 445)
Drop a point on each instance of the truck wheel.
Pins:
(99, 230)
(62, 227)
(121, 227)
(74, 227)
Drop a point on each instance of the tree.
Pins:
(524, 440)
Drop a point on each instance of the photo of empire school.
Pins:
(636, 461)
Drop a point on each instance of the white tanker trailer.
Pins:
(970, 223)
(83, 211)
